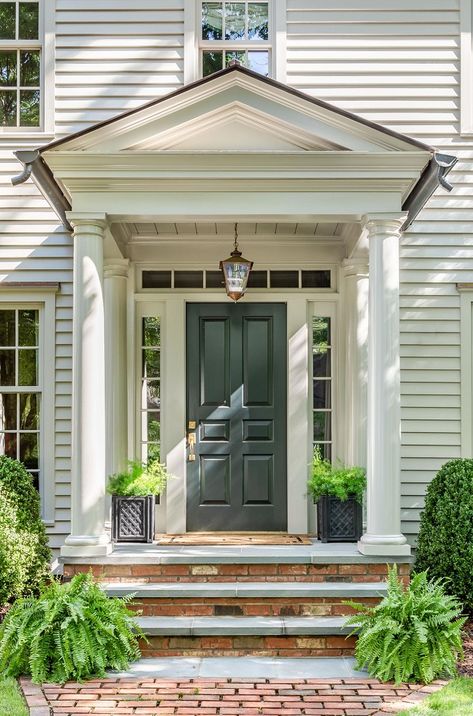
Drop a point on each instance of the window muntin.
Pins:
(322, 385)
(289, 279)
(150, 388)
(235, 31)
(20, 64)
(20, 394)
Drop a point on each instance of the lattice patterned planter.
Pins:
(339, 521)
(133, 518)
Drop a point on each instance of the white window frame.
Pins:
(46, 305)
(466, 67)
(193, 44)
(46, 45)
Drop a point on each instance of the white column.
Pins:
(355, 306)
(116, 412)
(383, 535)
(88, 536)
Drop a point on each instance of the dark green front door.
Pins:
(236, 396)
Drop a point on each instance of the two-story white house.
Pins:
(137, 145)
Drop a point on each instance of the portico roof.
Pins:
(239, 135)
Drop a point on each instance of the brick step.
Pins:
(247, 599)
(240, 636)
(223, 572)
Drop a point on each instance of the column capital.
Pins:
(391, 223)
(85, 219)
(355, 267)
(116, 268)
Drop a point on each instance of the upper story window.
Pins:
(20, 64)
(235, 31)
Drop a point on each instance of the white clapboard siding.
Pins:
(34, 248)
(113, 56)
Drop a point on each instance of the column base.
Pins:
(86, 546)
(384, 545)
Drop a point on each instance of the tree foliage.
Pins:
(24, 552)
(445, 546)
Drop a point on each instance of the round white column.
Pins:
(88, 536)
(383, 535)
(355, 309)
(116, 411)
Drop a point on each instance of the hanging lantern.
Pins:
(236, 271)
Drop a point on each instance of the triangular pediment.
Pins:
(236, 111)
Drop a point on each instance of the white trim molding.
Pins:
(466, 367)
(466, 68)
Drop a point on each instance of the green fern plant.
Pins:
(139, 479)
(71, 631)
(336, 480)
(413, 634)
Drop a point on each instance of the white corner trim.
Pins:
(466, 368)
(466, 68)
(279, 35)
(191, 50)
(48, 29)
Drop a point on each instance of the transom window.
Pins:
(322, 385)
(235, 31)
(20, 396)
(151, 389)
(20, 64)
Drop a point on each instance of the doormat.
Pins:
(232, 538)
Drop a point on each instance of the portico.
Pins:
(311, 187)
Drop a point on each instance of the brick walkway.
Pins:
(231, 697)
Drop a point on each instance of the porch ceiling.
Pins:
(259, 229)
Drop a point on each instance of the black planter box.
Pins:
(133, 518)
(339, 520)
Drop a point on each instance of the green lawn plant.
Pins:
(445, 545)
(24, 552)
(455, 699)
(337, 480)
(139, 479)
(412, 635)
(71, 631)
(11, 701)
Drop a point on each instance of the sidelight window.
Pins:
(151, 389)
(20, 393)
(322, 385)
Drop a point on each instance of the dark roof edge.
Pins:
(267, 80)
(35, 166)
(433, 176)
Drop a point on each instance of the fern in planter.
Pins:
(71, 631)
(337, 480)
(413, 635)
(139, 479)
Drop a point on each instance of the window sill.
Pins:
(19, 135)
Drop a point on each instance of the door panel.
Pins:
(236, 396)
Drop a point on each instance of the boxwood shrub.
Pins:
(24, 552)
(445, 546)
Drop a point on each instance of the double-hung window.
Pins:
(235, 31)
(20, 386)
(20, 64)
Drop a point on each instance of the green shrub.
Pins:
(139, 479)
(445, 546)
(71, 631)
(413, 635)
(24, 552)
(337, 480)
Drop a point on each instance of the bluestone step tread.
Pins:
(267, 590)
(243, 626)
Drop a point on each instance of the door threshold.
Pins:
(232, 538)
